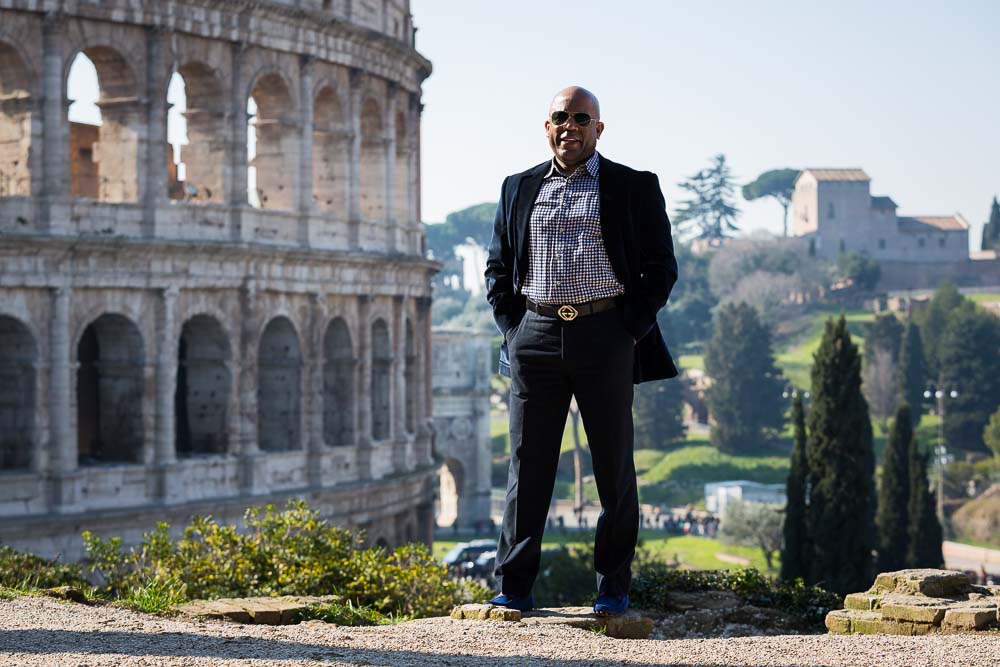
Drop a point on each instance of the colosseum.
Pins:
(174, 342)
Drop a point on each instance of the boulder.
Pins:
(967, 619)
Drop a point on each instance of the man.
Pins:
(580, 262)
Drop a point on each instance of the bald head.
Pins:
(576, 98)
(572, 144)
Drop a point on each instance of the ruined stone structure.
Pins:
(169, 348)
(462, 373)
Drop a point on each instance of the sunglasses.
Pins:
(562, 117)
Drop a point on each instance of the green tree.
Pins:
(794, 554)
(912, 371)
(862, 270)
(751, 524)
(658, 409)
(841, 461)
(924, 534)
(688, 315)
(991, 230)
(894, 494)
(745, 395)
(710, 206)
(932, 321)
(884, 332)
(969, 356)
(991, 434)
(777, 183)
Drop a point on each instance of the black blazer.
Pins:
(637, 238)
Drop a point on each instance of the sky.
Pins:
(908, 91)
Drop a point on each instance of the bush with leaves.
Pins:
(20, 571)
(289, 552)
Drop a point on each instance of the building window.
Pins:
(920, 242)
(830, 212)
(941, 242)
(881, 244)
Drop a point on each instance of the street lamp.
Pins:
(940, 451)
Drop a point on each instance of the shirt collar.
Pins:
(592, 165)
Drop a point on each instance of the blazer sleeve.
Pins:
(500, 266)
(657, 264)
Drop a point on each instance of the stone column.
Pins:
(413, 178)
(305, 192)
(154, 151)
(391, 224)
(313, 398)
(398, 403)
(237, 144)
(424, 453)
(364, 385)
(354, 174)
(166, 378)
(55, 125)
(63, 456)
(247, 385)
(416, 205)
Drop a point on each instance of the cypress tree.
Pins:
(991, 230)
(793, 561)
(840, 518)
(886, 333)
(658, 409)
(745, 395)
(894, 495)
(912, 371)
(925, 536)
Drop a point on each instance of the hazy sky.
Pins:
(909, 91)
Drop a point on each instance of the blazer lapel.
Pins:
(527, 192)
(613, 213)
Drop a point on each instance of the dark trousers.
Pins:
(551, 361)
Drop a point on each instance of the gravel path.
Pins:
(40, 631)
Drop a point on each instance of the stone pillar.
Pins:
(247, 385)
(391, 224)
(313, 397)
(63, 448)
(416, 205)
(413, 224)
(354, 175)
(399, 435)
(154, 151)
(422, 332)
(305, 190)
(166, 378)
(364, 385)
(55, 124)
(237, 144)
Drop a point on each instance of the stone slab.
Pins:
(259, 610)
(838, 621)
(862, 601)
(968, 619)
(910, 628)
(866, 622)
(913, 608)
(630, 625)
(485, 612)
(929, 582)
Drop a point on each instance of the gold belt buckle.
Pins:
(568, 313)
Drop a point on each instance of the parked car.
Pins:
(461, 558)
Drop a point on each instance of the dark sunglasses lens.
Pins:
(559, 117)
(581, 119)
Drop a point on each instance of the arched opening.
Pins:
(15, 124)
(372, 163)
(338, 385)
(104, 146)
(279, 387)
(381, 380)
(109, 390)
(201, 399)
(18, 356)
(272, 140)
(331, 154)
(410, 378)
(383, 543)
(196, 130)
(401, 173)
(452, 479)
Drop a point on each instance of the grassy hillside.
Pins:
(794, 353)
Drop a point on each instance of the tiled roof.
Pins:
(838, 174)
(928, 224)
(881, 201)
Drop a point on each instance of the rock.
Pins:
(895, 627)
(630, 625)
(504, 614)
(862, 601)
(866, 622)
(71, 593)
(485, 612)
(968, 619)
(913, 608)
(838, 621)
(261, 610)
(930, 582)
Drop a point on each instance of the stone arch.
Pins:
(373, 165)
(381, 385)
(204, 154)
(383, 543)
(18, 359)
(331, 153)
(274, 134)
(109, 391)
(279, 387)
(452, 481)
(338, 384)
(410, 378)
(104, 159)
(401, 170)
(16, 118)
(204, 382)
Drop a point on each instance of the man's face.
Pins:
(570, 143)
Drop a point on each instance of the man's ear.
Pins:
(600, 128)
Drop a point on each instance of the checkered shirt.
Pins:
(568, 262)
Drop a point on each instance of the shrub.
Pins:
(21, 571)
(291, 552)
(809, 603)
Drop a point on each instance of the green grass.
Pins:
(985, 297)
(700, 463)
(686, 361)
(154, 596)
(795, 360)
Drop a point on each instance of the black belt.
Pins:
(570, 312)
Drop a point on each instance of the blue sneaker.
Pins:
(512, 602)
(610, 605)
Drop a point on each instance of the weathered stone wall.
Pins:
(201, 354)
